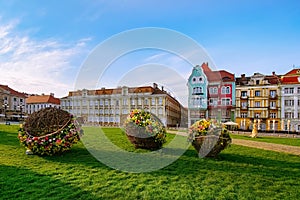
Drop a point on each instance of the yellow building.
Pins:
(258, 98)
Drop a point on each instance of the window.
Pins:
(298, 102)
(289, 115)
(257, 115)
(106, 102)
(244, 115)
(273, 93)
(223, 90)
(273, 115)
(257, 103)
(197, 90)
(160, 101)
(146, 102)
(160, 111)
(273, 104)
(289, 90)
(153, 101)
(257, 93)
(196, 101)
(244, 105)
(132, 102)
(117, 103)
(15, 99)
(139, 101)
(227, 90)
(289, 102)
(124, 102)
(243, 93)
(226, 102)
(101, 102)
(298, 90)
(213, 101)
(257, 82)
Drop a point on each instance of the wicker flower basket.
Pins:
(49, 131)
(144, 130)
(210, 145)
(208, 138)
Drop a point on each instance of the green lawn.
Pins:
(238, 173)
(276, 140)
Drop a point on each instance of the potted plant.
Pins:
(49, 131)
(208, 137)
(145, 130)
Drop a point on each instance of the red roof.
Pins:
(13, 92)
(42, 99)
(220, 75)
(291, 77)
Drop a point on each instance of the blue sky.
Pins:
(43, 44)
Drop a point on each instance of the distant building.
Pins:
(290, 100)
(197, 99)
(110, 107)
(211, 94)
(12, 103)
(37, 102)
(220, 94)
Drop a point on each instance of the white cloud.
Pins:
(38, 66)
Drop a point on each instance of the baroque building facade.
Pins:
(258, 98)
(110, 107)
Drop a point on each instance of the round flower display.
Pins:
(209, 137)
(49, 131)
(145, 130)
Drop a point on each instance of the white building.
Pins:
(37, 102)
(290, 100)
(110, 107)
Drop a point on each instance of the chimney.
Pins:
(52, 94)
(273, 73)
(243, 75)
(162, 88)
(154, 85)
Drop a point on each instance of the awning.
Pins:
(230, 123)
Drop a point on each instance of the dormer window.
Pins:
(257, 82)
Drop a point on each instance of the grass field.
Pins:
(275, 140)
(238, 173)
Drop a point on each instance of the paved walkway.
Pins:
(260, 145)
(268, 146)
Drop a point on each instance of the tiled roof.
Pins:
(13, 92)
(290, 79)
(213, 76)
(42, 99)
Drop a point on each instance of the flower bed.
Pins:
(145, 130)
(49, 131)
(208, 138)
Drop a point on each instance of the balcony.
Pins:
(273, 96)
(272, 107)
(244, 107)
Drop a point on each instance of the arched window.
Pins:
(223, 90)
(227, 90)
